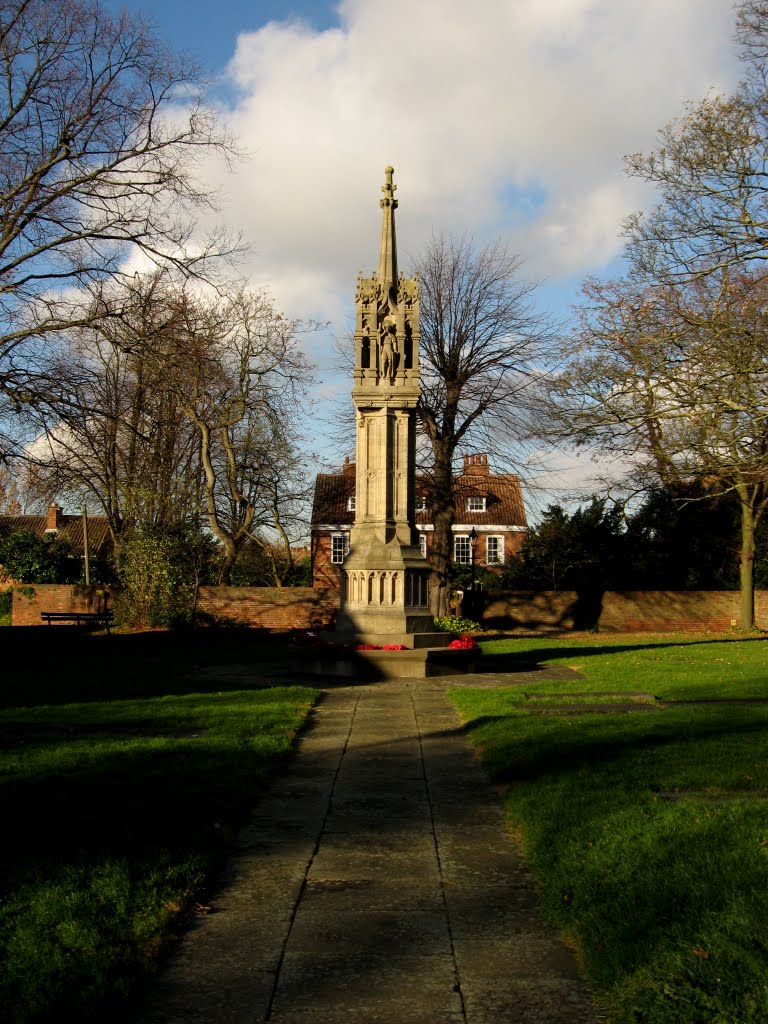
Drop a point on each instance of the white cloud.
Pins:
(472, 104)
(502, 118)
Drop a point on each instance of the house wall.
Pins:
(325, 574)
(513, 542)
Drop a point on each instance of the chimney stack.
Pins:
(476, 465)
(55, 519)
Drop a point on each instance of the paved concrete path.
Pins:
(376, 883)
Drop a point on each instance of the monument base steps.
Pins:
(420, 663)
(409, 640)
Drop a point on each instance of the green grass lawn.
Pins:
(647, 831)
(683, 666)
(117, 809)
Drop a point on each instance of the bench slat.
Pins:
(78, 617)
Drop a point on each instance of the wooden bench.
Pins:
(80, 618)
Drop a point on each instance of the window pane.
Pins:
(494, 550)
(461, 550)
(339, 547)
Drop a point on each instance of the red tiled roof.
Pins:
(332, 492)
(502, 491)
(503, 500)
(71, 531)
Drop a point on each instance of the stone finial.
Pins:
(387, 274)
(388, 188)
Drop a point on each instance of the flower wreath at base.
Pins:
(464, 643)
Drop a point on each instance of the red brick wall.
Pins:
(31, 599)
(614, 611)
(276, 608)
(273, 608)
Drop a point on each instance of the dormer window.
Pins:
(351, 503)
(476, 504)
(421, 504)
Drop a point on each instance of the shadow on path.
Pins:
(376, 882)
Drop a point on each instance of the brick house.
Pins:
(489, 503)
(63, 527)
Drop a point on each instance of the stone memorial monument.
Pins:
(385, 578)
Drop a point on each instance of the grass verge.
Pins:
(676, 666)
(647, 831)
(115, 814)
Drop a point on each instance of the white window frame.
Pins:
(498, 538)
(423, 544)
(339, 547)
(351, 503)
(421, 504)
(462, 549)
(476, 504)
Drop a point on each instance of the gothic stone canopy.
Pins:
(387, 323)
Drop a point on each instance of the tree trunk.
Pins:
(224, 536)
(228, 561)
(746, 568)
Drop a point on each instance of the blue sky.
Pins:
(209, 30)
(503, 119)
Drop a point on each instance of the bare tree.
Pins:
(123, 441)
(710, 171)
(241, 379)
(183, 414)
(482, 343)
(101, 130)
(671, 373)
(674, 378)
(286, 497)
(10, 505)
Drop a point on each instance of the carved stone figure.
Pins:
(389, 351)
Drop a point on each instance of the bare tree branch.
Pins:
(101, 133)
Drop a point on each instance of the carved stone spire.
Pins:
(388, 252)
(385, 577)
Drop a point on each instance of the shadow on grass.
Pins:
(110, 831)
(526, 759)
(533, 657)
(666, 900)
(61, 664)
(129, 803)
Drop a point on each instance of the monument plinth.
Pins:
(385, 578)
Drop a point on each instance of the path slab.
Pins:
(376, 881)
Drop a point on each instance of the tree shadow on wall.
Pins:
(587, 609)
(544, 609)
